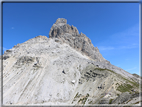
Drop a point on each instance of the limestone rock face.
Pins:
(70, 35)
(64, 69)
(61, 20)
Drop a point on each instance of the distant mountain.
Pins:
(137, 76)
(64, 69)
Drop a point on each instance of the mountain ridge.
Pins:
(63, 70)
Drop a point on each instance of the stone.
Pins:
(5, 57)
(122, 98)
(73, 81)
(24, 60)
(70, 35)
(61, 20)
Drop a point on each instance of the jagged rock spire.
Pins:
(61, 20)
(70, 35)
(61, 27)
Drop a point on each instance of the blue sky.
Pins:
(112, 27)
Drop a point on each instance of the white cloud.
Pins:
(105, 48)
(127, 39)
(128, 47)
(131, 69)
(128, 33)
(124, 38)
(4, 49)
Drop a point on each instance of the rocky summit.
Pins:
(65, 33)
(64, 69)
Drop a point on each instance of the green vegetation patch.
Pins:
(77, 95)
(119, 76)
(90, 102)
(138, 102)
(117, 84)
(101, 69)
(110, 101)
(129, 84)
(84, 99)
(124, 88)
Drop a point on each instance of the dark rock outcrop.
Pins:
(5, 57)
(65, 33)
(24, 59)
(122, 98)
(137, 76)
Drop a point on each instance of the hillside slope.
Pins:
(64, 69)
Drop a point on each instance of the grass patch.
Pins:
(124, 88)
(101, 69)
(90, 102)
(110, 101)
(119, 76)
(84, 99)
(76, 95)
(138, 102)
(132, 82)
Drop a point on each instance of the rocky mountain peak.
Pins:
(47, 71)
(61, 27)
(70, 35)
(61, 20)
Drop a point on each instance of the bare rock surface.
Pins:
(64, 69)
(70, 35)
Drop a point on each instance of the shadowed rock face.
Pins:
(70, 35)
